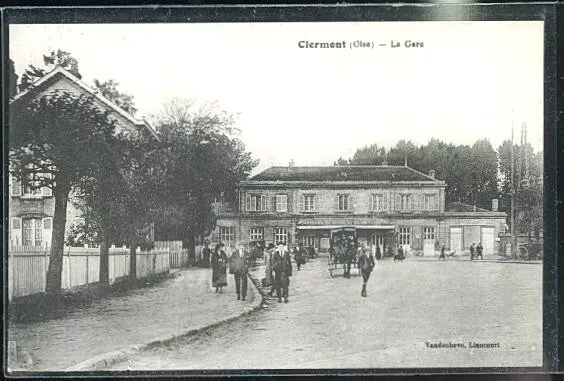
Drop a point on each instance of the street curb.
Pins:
(108, 359)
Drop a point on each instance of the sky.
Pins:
(469, 81)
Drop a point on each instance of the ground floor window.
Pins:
(32, 232)
(405, 236)
(256, 234)
(280, 235)
(227, 235)
(429, 233)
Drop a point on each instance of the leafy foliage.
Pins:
(51, 60)
(109, 89)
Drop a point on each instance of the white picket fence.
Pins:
(27, 266)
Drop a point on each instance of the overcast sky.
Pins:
(470, 80)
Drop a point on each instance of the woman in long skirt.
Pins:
(219, 268)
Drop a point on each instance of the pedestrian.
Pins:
(479, 251)
(239, 267)
(472, 249)
(206, 253)
(443, 254)
(378, 253)
(282, 264)
(219, 268)
(299, 255)
(365, 264)
(350, 254)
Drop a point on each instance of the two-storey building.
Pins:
(385, 205)
(31, 209)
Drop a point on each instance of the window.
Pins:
(378, 202)
(406, 202)
(32, 232)
(256, 203)
(429, 234)
(309, 203)
(281, 203)
(256, 234)
(343, 202)
(30, 185)
(430, 202)
(405, 236)
(280, 235)
(227, 235)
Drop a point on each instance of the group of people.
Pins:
(238, 264)
(279, 268)
(476, 251)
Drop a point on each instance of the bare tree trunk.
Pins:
(132, 263)
(104, 278)
(53, 286)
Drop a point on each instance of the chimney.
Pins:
(432, 173)
(495, 204)
(74, 68)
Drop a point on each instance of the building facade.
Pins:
(384, 206)
(31, 209)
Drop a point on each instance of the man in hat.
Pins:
(282, 264)
(239, 268)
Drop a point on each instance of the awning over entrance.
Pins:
(358, 227)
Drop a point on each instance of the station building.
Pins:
(384, 205)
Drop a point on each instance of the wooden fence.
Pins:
(27, 266)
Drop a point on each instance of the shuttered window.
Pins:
(256, 203)
(309, 203)
(281, 203)
(378, 202)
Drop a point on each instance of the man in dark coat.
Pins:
(365, 264)
(472, 252)
(479, 251)
(239, 267)
(350, 254)
(282, 264)
(299, 255)
(206, 253)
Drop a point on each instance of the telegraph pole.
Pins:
(513, 238)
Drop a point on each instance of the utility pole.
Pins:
(513, 238)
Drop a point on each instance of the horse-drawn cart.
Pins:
(342, 253)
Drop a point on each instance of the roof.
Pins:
(343, 173)
(59, 72)
(462, 207)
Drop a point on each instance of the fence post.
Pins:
(86, 254)
(69, 268)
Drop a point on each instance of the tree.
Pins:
(369, 155)
(52, 60)
(109, 89)
(55, 141)
(204, 163)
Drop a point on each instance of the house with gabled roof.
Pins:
(31, 210)
(384, 205)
